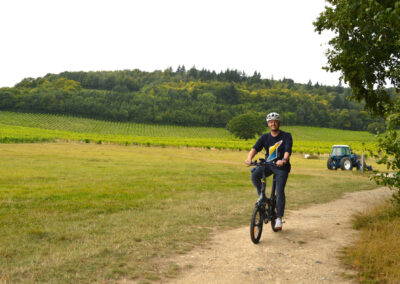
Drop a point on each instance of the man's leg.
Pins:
(256, 178)
(281, 177)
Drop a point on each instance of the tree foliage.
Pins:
(366, 50)
(184, 97)
(246, 126)
(366, 47)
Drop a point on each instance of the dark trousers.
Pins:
(281, 177)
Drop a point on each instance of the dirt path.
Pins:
(306, 251)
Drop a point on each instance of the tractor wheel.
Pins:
(328, 164)
(345, 164)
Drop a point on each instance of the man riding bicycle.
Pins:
(278, 146)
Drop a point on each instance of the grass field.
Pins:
(72, 212)
(23, 127)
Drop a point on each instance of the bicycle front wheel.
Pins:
(256, 225)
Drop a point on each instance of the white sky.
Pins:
(276, 38)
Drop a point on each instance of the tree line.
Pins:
(186, 97)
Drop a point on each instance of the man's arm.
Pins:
(256, 148)
(284, 161)
(288, 151)
(286, 156)
(250, 157)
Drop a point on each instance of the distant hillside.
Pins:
(185, 97)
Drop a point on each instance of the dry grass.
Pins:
(377, 254)
(90, 213)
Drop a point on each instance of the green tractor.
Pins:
(343, 157)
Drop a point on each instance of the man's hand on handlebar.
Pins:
(280, 163)
(248, 162)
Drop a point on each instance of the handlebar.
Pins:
(262, 162)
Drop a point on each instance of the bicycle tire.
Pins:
(256, 225)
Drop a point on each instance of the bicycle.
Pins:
(265, 208)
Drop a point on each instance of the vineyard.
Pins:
(30, 128)
(85, 125)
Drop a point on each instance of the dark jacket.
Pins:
(275, 147)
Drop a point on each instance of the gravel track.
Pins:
(305, 251)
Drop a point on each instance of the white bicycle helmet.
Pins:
(273, 116)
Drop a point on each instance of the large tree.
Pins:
(366, 50)
(246, 126)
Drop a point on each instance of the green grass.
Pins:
(25, 127)
(74, 212)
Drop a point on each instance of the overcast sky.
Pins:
(275, 38)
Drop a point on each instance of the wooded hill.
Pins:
(185, 97)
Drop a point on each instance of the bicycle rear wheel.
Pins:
(256, 225)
